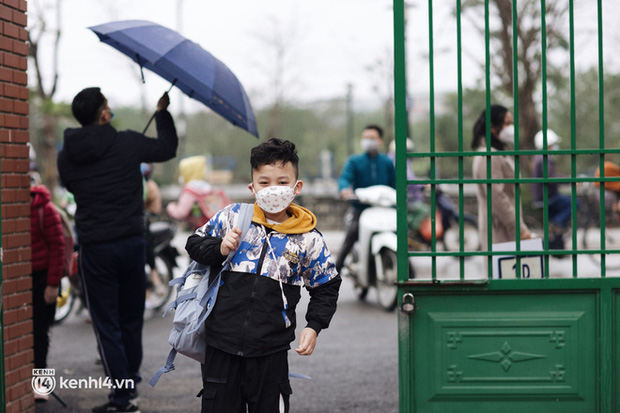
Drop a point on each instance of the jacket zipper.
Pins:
(259, 268)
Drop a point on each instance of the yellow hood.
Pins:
(300, 221)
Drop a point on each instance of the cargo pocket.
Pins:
(208, 400)
(285, 396)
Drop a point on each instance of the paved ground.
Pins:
(354, 368)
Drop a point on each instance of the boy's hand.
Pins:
(307, 342)
(230, 241)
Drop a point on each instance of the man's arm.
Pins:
(346, 180)
(165, 146)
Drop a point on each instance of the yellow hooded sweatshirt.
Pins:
(301, 220)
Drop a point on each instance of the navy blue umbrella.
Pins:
(184, 63)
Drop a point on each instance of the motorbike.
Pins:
(372, 262)
(159, 240)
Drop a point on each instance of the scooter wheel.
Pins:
(386, 282)
(361, 292)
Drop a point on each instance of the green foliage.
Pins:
(588, 117)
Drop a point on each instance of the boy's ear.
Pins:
(251, 188)
(298, 187)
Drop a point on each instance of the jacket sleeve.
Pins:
(347, 176)
(205, 249)
(391, 174)
(52, 233)
(165, 146)
(502, 201)
(322, 304)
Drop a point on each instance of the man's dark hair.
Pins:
(378, 128)
(272, 152)
(87, 105)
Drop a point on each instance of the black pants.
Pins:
(114, 284)
(350, 238)
(42, 319)
(232, 382)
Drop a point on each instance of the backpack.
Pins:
(195, 299)
(69, 240)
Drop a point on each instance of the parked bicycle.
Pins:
(70, 293)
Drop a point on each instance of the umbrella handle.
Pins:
(149, 124)
(153, 117)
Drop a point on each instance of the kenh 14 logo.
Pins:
(43, 381)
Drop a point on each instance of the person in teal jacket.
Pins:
(361, 171)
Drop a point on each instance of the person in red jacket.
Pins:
(47, 247)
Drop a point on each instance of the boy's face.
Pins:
(275, 175)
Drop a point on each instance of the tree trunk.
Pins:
(47, 159)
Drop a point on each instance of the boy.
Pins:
(253, 322)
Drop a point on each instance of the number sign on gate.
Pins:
(505, 266)
(531, 267)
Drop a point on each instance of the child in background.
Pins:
(47, 265)
(253, 321)
(198, 201)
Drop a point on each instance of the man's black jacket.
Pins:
(101, 167)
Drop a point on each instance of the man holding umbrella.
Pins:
(101, 167)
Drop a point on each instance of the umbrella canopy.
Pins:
(184, 63)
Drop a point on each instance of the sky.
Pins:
(328, 44)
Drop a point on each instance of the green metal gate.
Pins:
(474, 342)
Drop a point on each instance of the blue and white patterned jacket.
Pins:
(263, 285)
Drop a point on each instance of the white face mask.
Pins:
(507, 135)
(370, 145)
(275, 199)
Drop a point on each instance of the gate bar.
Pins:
(400, 129)
(573, 126)
(601, 130)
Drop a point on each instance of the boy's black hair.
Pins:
(378, 128)
(87, 105)
(274, 151)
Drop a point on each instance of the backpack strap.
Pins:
(208, 300)
(168, 367)
(244, 222)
